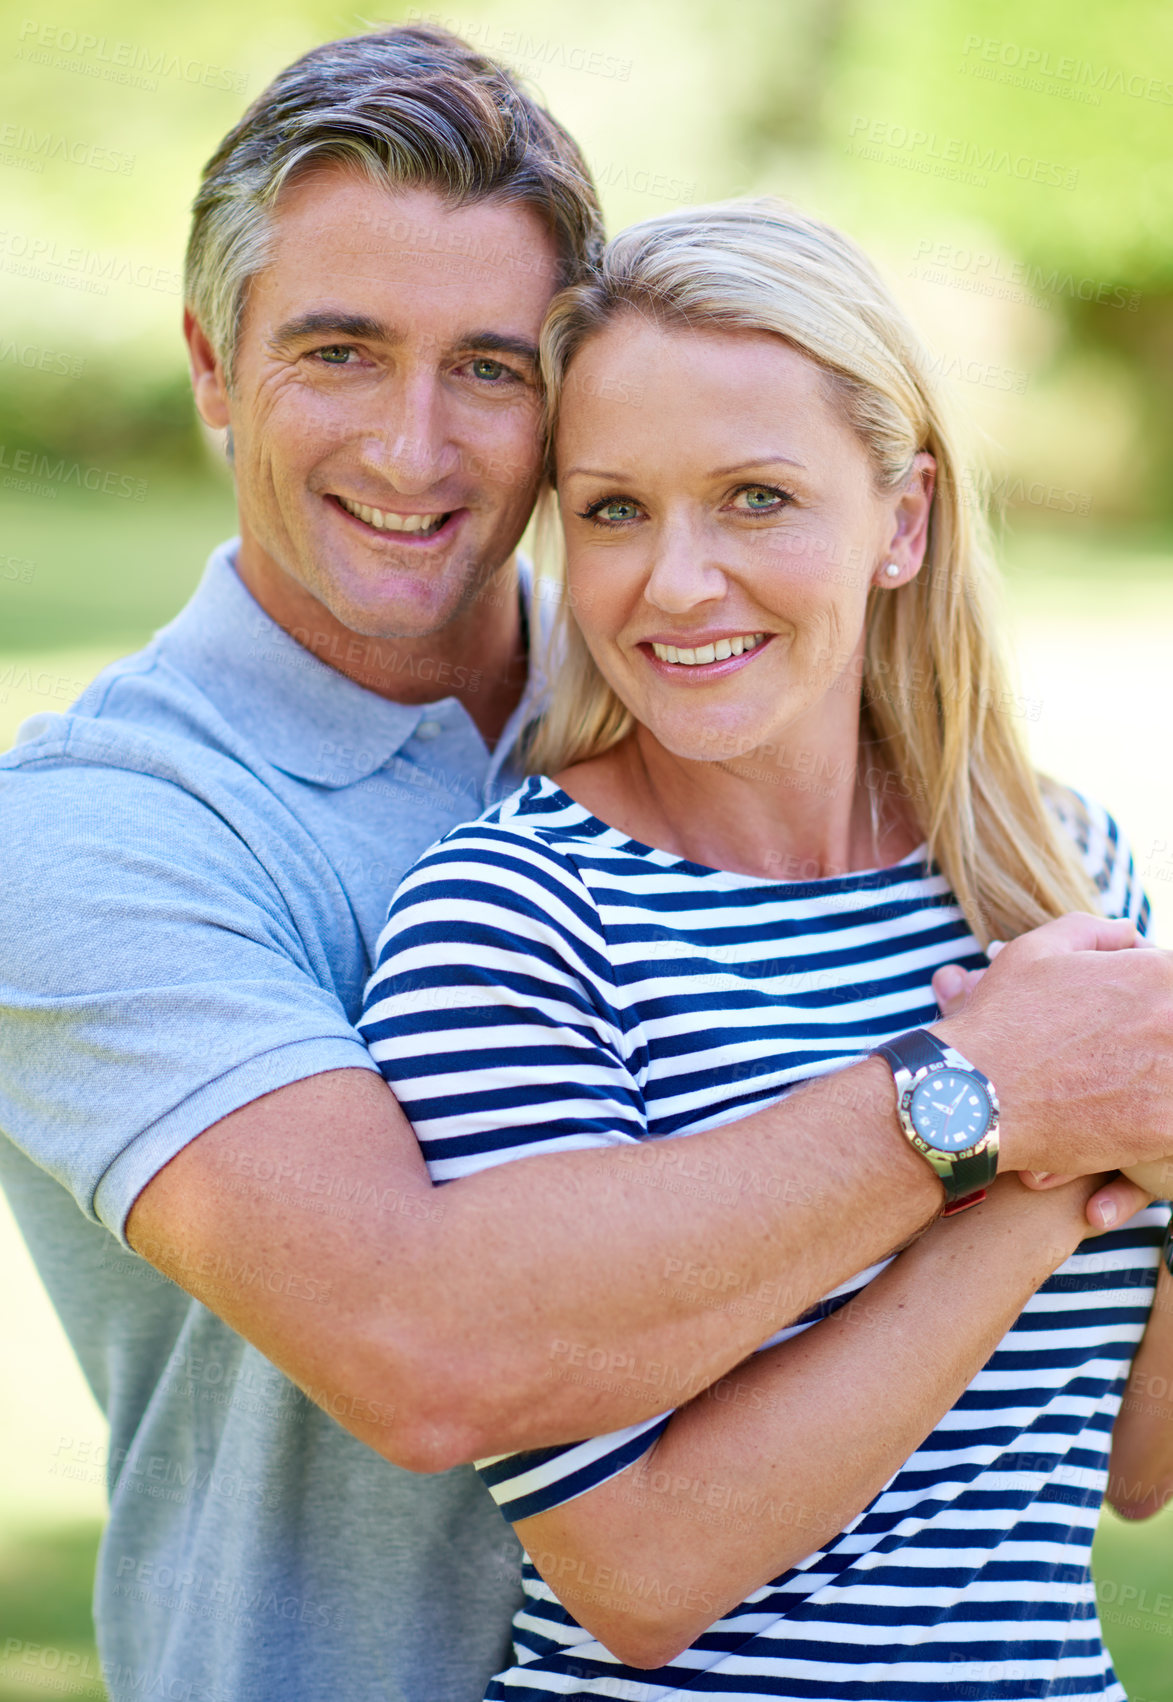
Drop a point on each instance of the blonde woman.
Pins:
(781, 783)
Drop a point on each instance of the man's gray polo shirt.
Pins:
(198, 860)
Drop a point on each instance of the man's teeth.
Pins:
(384, 521)
(718, 652)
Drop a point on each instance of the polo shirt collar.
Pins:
(298, 711)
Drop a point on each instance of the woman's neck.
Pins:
(784, 815)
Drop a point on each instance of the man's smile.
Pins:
(418, 527)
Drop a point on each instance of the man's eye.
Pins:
(335, 354)
(488, 369)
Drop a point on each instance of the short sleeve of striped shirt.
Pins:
(1105, 855)
(492, 1014)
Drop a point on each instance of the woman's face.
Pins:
(723, 528)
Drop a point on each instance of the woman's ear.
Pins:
(207, 375)
(910, 533)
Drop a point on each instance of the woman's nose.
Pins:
(683, 572)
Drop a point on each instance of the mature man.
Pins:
(199, 860)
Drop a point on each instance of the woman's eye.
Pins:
(612, 510)
(760, 499)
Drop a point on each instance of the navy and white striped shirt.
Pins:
(545, 983)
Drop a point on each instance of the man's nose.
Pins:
(412, 445)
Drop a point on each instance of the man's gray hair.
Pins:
(411, 107)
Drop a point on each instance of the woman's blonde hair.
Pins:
(934, 694)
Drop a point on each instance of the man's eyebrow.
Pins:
(326, 322)
(329, 323)
(500, 343)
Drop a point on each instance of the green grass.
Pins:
(103, 572)
(46, 1581)
(1133, 1566)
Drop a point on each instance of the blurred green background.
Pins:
(1010, 166)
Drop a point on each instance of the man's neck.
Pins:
(480, 658)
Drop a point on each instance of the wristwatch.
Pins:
(948, 1111)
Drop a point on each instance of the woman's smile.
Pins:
(693, 660)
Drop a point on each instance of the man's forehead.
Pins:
(338, 222)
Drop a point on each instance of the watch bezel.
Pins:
(944, 1162)
(981, 1084)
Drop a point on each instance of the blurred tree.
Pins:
(1034, 131)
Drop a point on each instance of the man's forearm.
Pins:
(540, 1301)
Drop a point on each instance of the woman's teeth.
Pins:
(718, 652)
(384, 521)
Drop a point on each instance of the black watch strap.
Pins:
(968, 1178)
(913, 1051)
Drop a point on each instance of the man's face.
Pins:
(384, 410)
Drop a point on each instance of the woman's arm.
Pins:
(1140, 1471)
(774, 1461)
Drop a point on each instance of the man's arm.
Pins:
(561, 1296)
(536, 1302)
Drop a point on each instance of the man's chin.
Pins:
(406, 607)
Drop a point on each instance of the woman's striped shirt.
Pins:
(545, 983)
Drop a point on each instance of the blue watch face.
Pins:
(949, 1110)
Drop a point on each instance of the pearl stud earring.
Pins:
(892, 571)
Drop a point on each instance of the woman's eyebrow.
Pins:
(769, 460)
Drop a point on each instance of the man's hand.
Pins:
(953, 987)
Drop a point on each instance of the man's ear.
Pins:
(207, 375)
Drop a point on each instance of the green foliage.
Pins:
(1029, 132)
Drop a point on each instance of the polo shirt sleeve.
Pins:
(152, 979)
(494, 1014)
